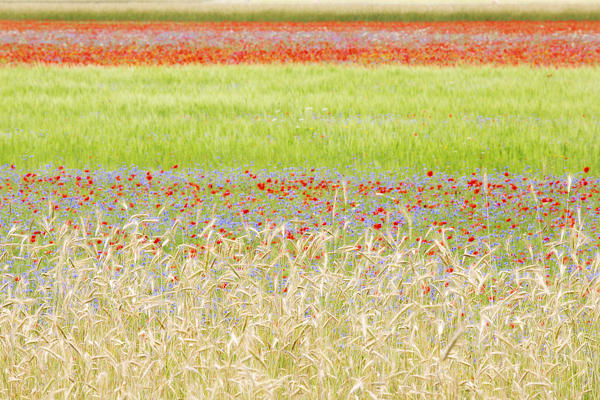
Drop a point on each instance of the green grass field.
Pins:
(318, 116)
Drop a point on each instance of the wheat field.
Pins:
(260, 317)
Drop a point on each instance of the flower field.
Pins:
(199, 283)
(477, 210)
(499, 43)
(418, 218)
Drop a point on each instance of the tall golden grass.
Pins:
(262, 317)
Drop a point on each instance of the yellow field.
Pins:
(38, 8)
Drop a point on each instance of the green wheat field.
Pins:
(455, 119)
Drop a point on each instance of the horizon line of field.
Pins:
(314, 12)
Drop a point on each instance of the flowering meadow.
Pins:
(196, 283)
(444, 43)
(349, 231)
(476, 211)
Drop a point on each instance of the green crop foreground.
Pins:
(387, 117)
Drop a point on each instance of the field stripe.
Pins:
(457, 119)
(311, 11)
(559, 43)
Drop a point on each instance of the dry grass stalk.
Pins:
(154, 321)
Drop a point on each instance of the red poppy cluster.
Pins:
(517, 211)
(560, 43)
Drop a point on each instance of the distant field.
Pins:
(547, 43)
(296, 10)
(393, 117)
(413, 3)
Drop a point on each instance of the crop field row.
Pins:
(454, 120)
(557, 43)
(300, 11)
(475, 211)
